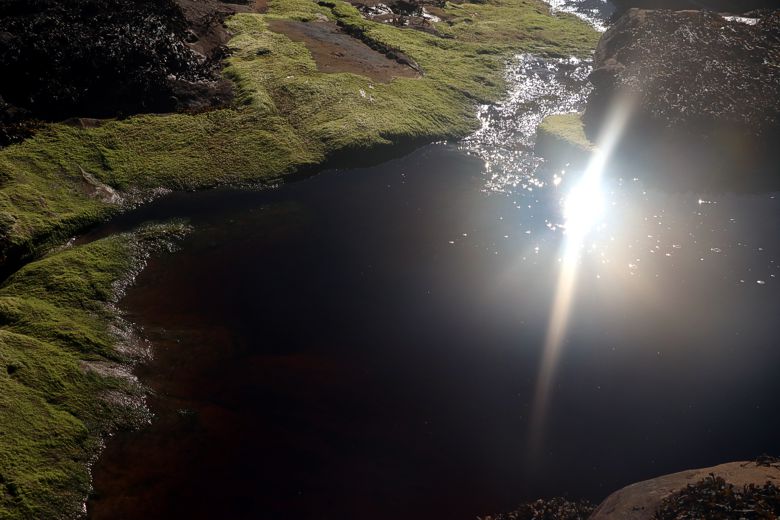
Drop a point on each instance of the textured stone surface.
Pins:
(731, 6)
(701, 91)
(639, 501)
(690, 69)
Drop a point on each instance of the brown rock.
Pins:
(702, 91)
(639, 501)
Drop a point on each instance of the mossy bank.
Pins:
(289, 116)
(62, 381)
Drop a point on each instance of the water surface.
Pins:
(366, 343)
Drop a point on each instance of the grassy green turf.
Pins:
(54, 315)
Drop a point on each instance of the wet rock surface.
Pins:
(697, 81)
(108, 58)
(415, 14)
(716, 499)
(333, 50)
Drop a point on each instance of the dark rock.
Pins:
(700, 85)
(728, 6)
(552, 509)
(716, 499)
(106, 58)
(403, 13)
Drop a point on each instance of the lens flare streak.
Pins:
(583, 209)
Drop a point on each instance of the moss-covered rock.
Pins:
(561, 139)
(291, 115)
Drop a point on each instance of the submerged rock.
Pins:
(561, 139)
(700, 85)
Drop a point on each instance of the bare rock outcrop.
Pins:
(641, 501)
(697, 81)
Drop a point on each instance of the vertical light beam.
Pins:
(582, 209)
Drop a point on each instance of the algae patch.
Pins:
(55, 322)
(288, 116)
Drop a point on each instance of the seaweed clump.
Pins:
(715, 499)
(553, 509)
(97, 58)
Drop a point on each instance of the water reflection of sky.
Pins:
(537, 87)
(366, 343)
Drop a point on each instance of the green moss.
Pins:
(54, 317)
(561, 138)
(289, 116)
(519, 23)
(568, 127)
(465, 68)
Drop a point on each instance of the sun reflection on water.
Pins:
(609, 235)
(583, 209)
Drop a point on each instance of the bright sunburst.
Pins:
(583, 209)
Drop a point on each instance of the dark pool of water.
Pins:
(366, 343)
